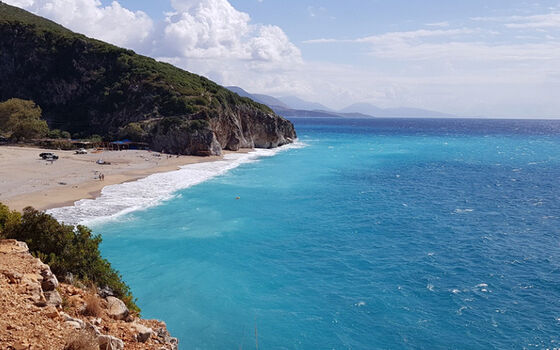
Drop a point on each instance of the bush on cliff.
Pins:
(67, 249)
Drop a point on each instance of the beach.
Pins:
(28, 180)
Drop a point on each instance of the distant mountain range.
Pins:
(292, 106)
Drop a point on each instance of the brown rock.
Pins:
(13, 277)
(51, 312)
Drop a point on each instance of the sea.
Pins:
(364, 234)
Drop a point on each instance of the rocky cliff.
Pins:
(38, 312)
(89, 87)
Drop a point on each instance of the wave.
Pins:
(121, 199)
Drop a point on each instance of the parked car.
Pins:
(81, 151)
(48, 156)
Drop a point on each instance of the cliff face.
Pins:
(89, 87)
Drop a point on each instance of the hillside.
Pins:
(39, 312)
(87, 87)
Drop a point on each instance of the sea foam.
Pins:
(120, 199)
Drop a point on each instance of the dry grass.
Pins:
(93, 306)
(81, 341)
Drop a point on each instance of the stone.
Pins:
(93, 329)
(13, 277)
(53, 298)
(116, 308)
(106, 292)
(143, 333)
(107, 342)
(75, 323)
(50, 282)
(51, 312)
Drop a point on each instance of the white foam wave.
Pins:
(117, 200)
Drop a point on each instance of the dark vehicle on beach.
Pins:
(48, 156)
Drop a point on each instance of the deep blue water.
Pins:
(380, 234)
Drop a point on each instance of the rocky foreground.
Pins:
(38, 312)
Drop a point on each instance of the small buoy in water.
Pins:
(237, 197)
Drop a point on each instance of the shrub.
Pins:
(134, 132)
(83, 340)
(58, 134)
(69, 249)
(93, 306)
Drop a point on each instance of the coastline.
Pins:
(28, 180)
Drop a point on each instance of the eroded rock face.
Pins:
(198, 143)
(244, 127)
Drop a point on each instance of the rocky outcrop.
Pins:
(29, 319)
(89, 87)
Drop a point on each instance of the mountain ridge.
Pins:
(300, 107)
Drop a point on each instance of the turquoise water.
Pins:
(378, 235)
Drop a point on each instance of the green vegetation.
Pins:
(58, 134)
(67, 249)
(21, 120)
(87, 86)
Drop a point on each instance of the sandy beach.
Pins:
(28, 180)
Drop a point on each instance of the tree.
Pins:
(21, 119)
(30, 129)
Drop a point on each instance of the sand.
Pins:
(28, 180)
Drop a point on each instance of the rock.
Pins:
(107, 342)
(143, 333)
(53, 298)
(51, 312)
(20, 346)
(13, 277)
(174, 342)
(50, 282)
(69, 278)
(75, 323)
(116, 308)
(93, 329)
(106, 292)
(163, 334)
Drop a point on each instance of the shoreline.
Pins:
(72, 177)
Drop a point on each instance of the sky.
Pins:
(492, 58)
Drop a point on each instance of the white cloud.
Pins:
(438, 24)
(214, 29)
(111, 23)
(392, 37)
(551, 20)
(547, 20)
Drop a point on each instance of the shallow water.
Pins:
(379, 234)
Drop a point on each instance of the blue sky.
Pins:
(470, 58)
